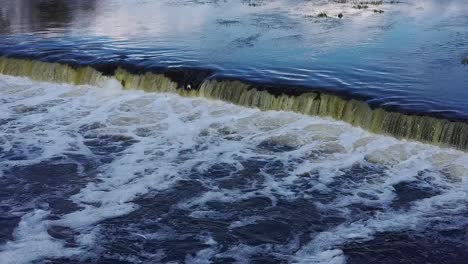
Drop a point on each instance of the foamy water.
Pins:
(99, 174)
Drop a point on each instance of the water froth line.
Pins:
(428, 129)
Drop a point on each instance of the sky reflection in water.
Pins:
(407, 57)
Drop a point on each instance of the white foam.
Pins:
(333, 256)
(175, 137)
(201, 257)
(32, 242)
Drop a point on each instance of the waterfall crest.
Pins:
(422, 128)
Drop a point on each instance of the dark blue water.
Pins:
(104, 175)
(409, 57)
(92, 175)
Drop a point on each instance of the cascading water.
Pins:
(423, 128)
(275, 131)
(109, 175)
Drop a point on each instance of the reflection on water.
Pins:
(404, 54)
(25, 16)
(111, 176)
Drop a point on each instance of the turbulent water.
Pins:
(438, 131)
(115, 146)
(97, 174)
(408, 55)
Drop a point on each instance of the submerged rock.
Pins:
(465, 61)
(388, 156)
(322, 15)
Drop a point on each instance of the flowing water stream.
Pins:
(261, 131)
(105, 175)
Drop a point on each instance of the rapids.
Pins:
(100, 174)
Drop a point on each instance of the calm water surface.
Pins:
(408, 57)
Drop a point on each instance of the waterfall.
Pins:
(422, 128)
